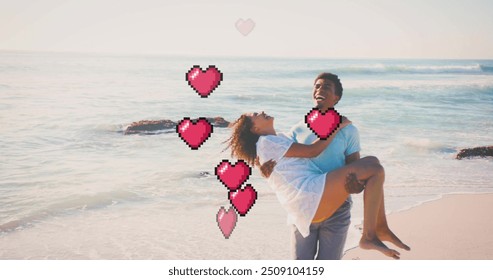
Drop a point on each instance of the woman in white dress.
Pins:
(310, 196)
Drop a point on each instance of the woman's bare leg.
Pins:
(373, 199)
(383, 231)
(336, 192)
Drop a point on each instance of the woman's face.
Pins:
(261, 122)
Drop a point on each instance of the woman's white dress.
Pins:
(298, 182)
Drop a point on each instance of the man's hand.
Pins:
(353, 185)
(267, 168)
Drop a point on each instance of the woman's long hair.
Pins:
(243, 142)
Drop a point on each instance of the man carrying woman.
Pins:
(313, 179)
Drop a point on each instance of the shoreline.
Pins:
(453, 227)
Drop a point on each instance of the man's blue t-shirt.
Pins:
(346, 142)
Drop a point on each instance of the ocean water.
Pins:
(65, 162)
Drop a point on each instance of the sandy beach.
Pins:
(456, 227)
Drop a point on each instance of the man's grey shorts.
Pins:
(329, 236)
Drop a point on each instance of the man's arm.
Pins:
(353, 145)
(317, 147)
(353, 185)
(267, 168)
(352, 158)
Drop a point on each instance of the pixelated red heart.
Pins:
(194, 133)
(243, 199)
(204, 82)
(323, 124)
(233, 176)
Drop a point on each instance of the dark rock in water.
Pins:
(154, 127)
(146, 126)
(475, 152)
(218, 121)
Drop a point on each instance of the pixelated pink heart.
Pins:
(245, 26)
(232, 176)
(194, 133)
(204, 82)
(243, 199)
(323, 124)
(226, 220)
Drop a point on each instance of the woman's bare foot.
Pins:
(376, 244)
(388, 235)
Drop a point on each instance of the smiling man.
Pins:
(327, 237)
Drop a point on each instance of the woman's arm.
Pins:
(314, 149)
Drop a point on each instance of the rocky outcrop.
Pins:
(218, 122)
(163, 126)
(475, 152)
(147, 126)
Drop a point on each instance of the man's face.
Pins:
(324, 94)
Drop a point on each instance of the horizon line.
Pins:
(225, 56)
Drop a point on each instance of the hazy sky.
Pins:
(309, 28)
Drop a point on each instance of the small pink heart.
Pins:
(243, 199)
(204, 82)
(232, 176)
(323, 124)
(194, 133)
(245, 26)
(226, 220)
